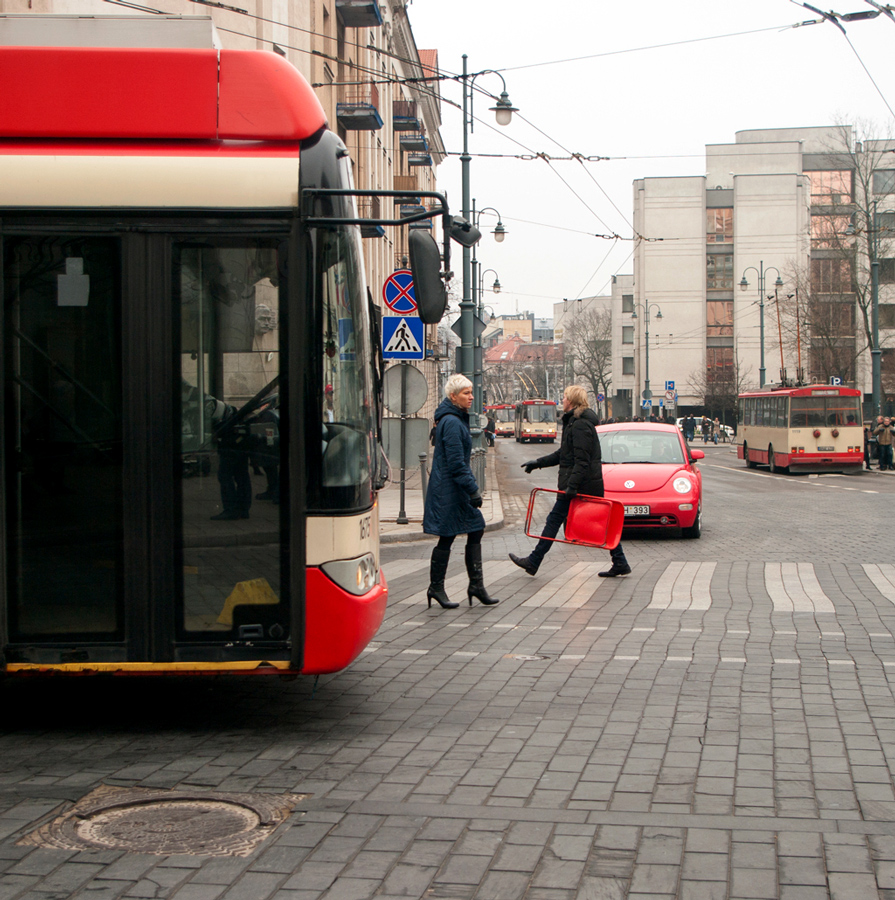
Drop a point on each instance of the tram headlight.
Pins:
(682, 485)
(357, 576)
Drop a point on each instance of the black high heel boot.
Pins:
(477, 587)
(437, 571)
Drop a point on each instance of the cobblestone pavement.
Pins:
(719, 724)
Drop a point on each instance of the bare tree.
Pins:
(847, 234)
(588, 349)
(719, 388)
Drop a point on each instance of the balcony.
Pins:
(369, 208)
(359, 13)
(414, 141)
(360, 111)
(419, 159)
(404, 116)
(409, 210)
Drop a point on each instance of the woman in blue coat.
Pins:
(453, 499)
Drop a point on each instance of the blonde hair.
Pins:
(455, 384)
(577, 396)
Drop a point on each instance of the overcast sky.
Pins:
(732, 65)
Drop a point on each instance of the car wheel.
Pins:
(695, 530)
(749, 463)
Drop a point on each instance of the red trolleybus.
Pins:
(504, 415)
(535, 420)
(189, 449)
(816, 428)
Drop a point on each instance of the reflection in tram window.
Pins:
(62, 340)
(345, 380)
(231, 516)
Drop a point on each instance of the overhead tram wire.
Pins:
(714, 37)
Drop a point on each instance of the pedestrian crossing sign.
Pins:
(402, 337)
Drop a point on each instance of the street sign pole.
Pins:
(402, 514)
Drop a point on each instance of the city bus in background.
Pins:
(504, 415)
(190, 369)
(535, 420)
(814, 428)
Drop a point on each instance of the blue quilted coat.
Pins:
(451, 484)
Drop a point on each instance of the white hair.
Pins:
(455, 384)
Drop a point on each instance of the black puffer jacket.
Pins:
(579, 457)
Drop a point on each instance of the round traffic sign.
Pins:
(404, 389)
(647, 395)
(397, 292)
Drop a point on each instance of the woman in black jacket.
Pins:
(580, 472)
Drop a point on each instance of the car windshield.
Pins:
(641, 446)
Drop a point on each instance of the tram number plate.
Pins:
(825, 449)
(636, 510)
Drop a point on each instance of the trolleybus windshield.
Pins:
(812, 412)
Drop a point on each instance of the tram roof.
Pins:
(154, 94)
(805, 390)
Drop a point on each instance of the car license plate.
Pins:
(636, 510)
(825, 449)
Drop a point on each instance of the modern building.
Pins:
(758, 270)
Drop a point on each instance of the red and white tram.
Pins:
(815, 428)
(189, 450)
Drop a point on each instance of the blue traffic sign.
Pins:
(402, 337)
(669, 385)
(397, 292)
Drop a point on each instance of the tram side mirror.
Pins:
(464, 232)
(428, 288)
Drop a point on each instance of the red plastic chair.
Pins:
(592, 521)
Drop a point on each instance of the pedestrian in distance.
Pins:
(883, 434)
(580, 472)
(453, 499)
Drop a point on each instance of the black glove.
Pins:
(570, 492)
(476, 500)
(530, 466)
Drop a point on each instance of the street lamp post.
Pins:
(477, 293)
(503, 110)
(646, 307)
(761, 272)
(478, 381)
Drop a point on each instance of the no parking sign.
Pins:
(397, 292)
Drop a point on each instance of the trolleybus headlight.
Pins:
(682, 485)
(357, 576)
(817, 432)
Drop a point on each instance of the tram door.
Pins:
(111, 541)
(63, 437)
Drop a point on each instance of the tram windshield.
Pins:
(811, 412)
(539, 413)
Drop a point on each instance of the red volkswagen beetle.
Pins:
(650, 469)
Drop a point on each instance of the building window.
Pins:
(627, 303)
(833, 319)
(718, 360)
(719, 226)
(627, 334)
(719, 318)
(887, 271)
(887, 315)
(884, 181)
(830, 187)
(627, 365)
(831, 276)
(719, 272)
(829, 232)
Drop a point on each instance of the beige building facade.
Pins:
(758, 271)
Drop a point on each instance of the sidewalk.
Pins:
(390, 503)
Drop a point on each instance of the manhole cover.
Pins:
(142, 820)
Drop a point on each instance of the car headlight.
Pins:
(682, 485)
(357, 576)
